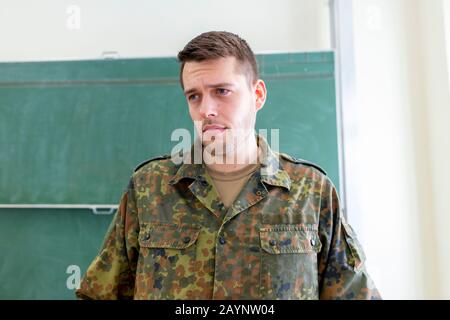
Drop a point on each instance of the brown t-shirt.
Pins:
(229, 184)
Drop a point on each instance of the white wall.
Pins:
(436, 44)
(46, 30)
(386, 173)
(402, 142)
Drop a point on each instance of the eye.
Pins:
(193, 97)
(222, 91)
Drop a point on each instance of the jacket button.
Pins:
(187, 239)
(147, 237)
(222, 240)
(313, 242)
(258, 193)
(272, 242)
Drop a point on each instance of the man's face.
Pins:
(221, 98)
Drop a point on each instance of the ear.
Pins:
(260, 94)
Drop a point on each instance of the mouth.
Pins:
(210, 128)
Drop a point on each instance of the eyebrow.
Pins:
(215, 85)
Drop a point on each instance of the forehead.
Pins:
(217, 70)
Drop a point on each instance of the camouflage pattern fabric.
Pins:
(283, 238)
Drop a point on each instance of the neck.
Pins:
(243, 155)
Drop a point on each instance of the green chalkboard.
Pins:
(71, 132)
(39, 250)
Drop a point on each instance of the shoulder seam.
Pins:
(302, 161)
(150, 160)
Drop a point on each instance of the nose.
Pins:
(208, 108)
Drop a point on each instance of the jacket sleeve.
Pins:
(112, 273)
(341, 262)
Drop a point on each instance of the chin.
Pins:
(216, 141)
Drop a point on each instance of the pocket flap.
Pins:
(289, 239)
(357, 256)
(159, 235)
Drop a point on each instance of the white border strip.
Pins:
(100, 209)
(341, 24)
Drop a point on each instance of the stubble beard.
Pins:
(228, 147)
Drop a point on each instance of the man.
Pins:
(266, 227)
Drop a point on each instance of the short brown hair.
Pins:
(219, 44)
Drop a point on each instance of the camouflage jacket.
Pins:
(283, 238)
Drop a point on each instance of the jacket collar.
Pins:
(271, 171)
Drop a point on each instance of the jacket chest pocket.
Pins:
(167, 260)
(289, 262)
